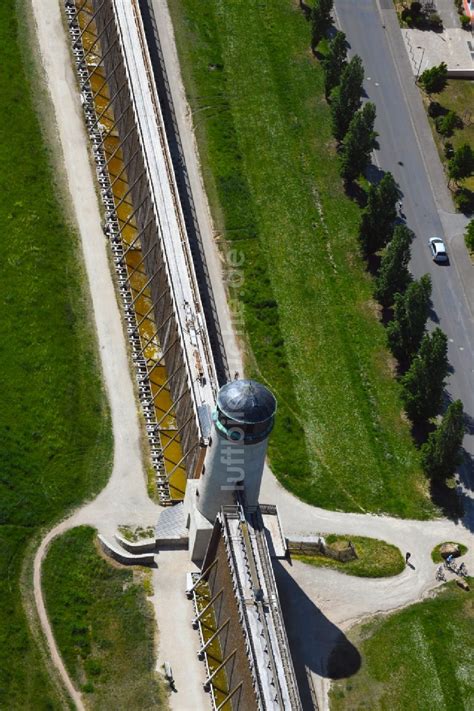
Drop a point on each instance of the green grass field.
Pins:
(312, 327)
(54, 424)
(419, 659)
(103, 624)
(375, 559)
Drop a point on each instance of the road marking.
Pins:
(451, 340)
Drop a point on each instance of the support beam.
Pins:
(146, 285)
(125, 166)
(177, 433)
(173, 405)
(148, 341)
(201, 577)
(142, 260)
(80, 10)
(206, 608)
(132, 215)
(229, 696)
(212, 638)
(167, 381)
(107, 133)
(88, 24)
(144, 318)
(160, 361)
(122, 141)
(123, 198)
(108, 105)
(207, 683)
(100, 66)
(186, 454)
(97, 39)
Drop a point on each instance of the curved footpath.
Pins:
(125, 500)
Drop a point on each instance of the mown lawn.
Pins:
(312, 329)
(103, 624)
(375, 559)
(421, 658)
(54, 423)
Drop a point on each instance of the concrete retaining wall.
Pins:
(146, 545)
(121, 556)
(312, 546)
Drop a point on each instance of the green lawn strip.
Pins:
(54, 423)
(271, 172)
(375, 559)
(457, 96)
(103, 624)
(419, 658)
(436, 556)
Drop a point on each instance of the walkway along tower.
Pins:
(233, 468)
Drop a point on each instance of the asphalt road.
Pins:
(400, 153)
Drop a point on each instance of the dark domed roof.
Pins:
(246, 401)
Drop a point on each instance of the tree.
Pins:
(434, 80)
(378, 218)
(334, 62)
(441, 454)
(424, 382)
(359, 142)
(461, 164)
(393, 276)
(410, 313)
(469, 236)
(321, 21)
(345, 98)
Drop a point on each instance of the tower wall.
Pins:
(230, 466)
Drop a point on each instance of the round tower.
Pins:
(243, 420)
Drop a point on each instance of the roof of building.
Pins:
(246, 401)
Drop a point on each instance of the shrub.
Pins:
(464, 200)
(465, 22)
(446, 124)
(415, 9)
(435, 21)
(435, 109)
(407, 16)
(469, 236)
(448, 150)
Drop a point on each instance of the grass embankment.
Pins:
(419, 659)
(54, 424)
(375, 559)
(457, 96)
(271, 172)
(103, 625)
(436, 556)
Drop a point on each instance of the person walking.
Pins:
(407, 557)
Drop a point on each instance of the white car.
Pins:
(438, 250)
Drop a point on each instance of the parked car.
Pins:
(438, 250)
